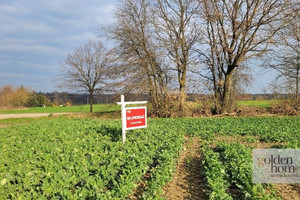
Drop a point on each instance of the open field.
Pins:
(258, 103)
(106, 108)
(81, 108)
(208, 158)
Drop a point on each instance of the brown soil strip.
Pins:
(188, 182)
(3, 125)
(288, 191)
(29, 115)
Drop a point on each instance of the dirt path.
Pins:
(188, 183)
(28, 115)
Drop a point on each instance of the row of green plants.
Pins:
(228, 171)
(269, 129)
(228, 165)
(85, 159)
(216, 177)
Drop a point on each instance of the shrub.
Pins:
(285, 107)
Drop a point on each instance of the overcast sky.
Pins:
(37, 35)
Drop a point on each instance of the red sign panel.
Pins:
(136, 117)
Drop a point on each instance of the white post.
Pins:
(123, 113)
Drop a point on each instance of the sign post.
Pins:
(132, 118)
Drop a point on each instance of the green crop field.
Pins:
(64, 158)
(84, 159)
(81, 108)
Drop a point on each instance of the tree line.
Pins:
(11, 97)
(164, 47)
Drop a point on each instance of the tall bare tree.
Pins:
(155, 41)
(84, 70)
(178, 32)
(21, 96)
(140, 60)
(237, 31)
(14, 97)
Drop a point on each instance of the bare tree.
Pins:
(11, 97)
(285, 59)
(6, 95)
(154, 44)
(237, 31)
(21, 96)
(85, 68)
(139, 59)
(178, 32)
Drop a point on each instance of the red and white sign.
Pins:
(136, 117)
(132, 118)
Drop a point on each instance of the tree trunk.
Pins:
(181, 96)
(297, 86)
(91, 101)
(227, 100)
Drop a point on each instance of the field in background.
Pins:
(259, 104)
(81, 108)
(112, 107)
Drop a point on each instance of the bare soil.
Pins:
(288, 191)
(29, 115)
(3, 125)
(188, 181)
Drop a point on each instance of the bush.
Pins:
(203, 108)
(36, 99)
(250, 111)
(68, 103)
(285, 107)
